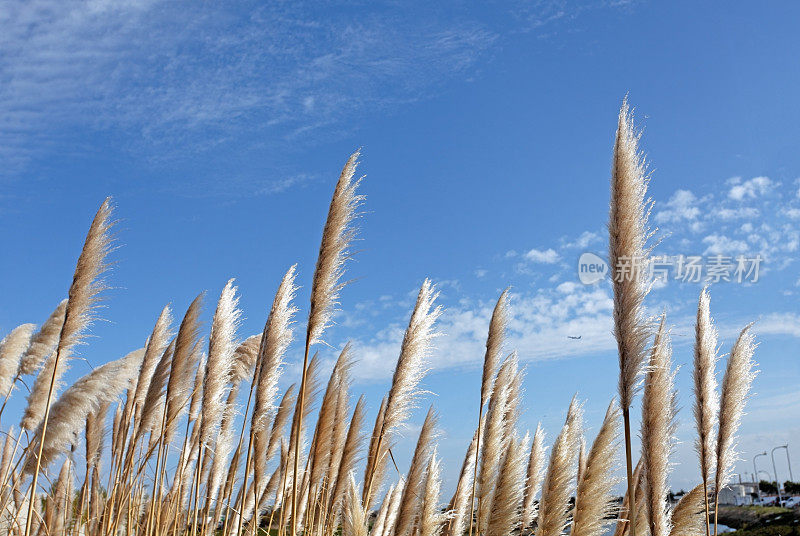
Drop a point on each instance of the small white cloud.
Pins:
(741, 213)
(681, 206)
(791, 213)
(779, 324)
(281, 185)
(750, 189)
(567, 287)
(547, 256)
(583, 241)
(722, 245)
(480, 272)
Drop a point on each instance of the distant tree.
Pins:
(791, 487)
(767, 487)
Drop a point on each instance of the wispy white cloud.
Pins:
(722, 245)
(539, 327)
(546, 256)
(586, 239)
(187, 76)
(683, 205)
(751, 188)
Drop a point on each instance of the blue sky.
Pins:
(219, 129)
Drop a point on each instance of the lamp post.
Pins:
(755, 471)
(788, 461)
(775, 471)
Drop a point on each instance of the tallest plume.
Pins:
(334, 251)
(627, 251)
(627, 254)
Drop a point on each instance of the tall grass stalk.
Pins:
(628, 256)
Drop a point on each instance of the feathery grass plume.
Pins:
(312, 388)
(280, 420)
(78, 315)
(494, 345)
(394, 508)
(197, 390)
(223, 446)
(217, 372)
(340, 430)
(7, 457)
(593, 503)
(156, 344)
(504, 516)
(95, 430)
(533, 483)
(460, 504)
(116, 423)
(337, 236)
(578, 475)
(68, 414)
(355, 518)
(221, 346)
(705, 390)
(383, 511)
(412, 494)
(59, 499)
(12, 347)
(627, 253)
(494, 438)
(299, 420)
(736, 384)
(181, 381)
(44, 341)
(512, 408)
(687, 517)
(431, 518)
(276, 338)
(558, 480)
(641, 521)
(326, 284)
(152, 404)
(352, 445)
(320, 450)
(409, 371)
(628, 235)
(245, 357)
(581, 461)
(658, 430)
(373, 470)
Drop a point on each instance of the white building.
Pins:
(737, 494)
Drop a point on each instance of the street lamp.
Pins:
(755, 470)
(788, 462)
(775, 471)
